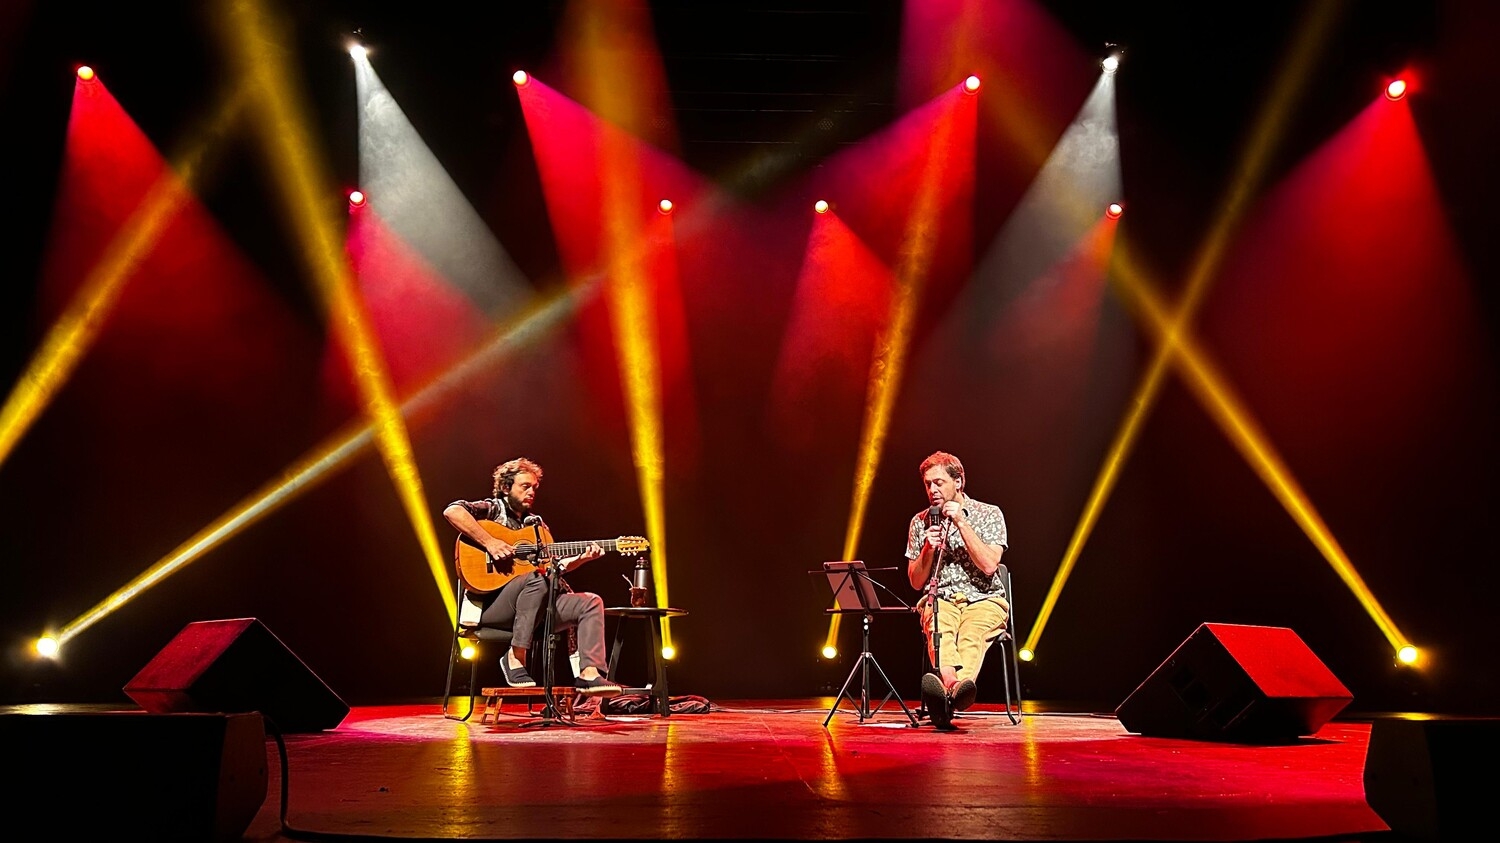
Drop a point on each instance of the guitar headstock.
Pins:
(631, 545)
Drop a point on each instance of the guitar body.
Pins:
(481, 574)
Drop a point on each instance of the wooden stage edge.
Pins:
(771, 769)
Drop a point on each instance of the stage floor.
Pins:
(770, 769)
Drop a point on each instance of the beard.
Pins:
(517, 506)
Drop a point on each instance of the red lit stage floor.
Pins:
(769, 769)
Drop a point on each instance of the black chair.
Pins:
(490, 640)
(493, 638)
(1010, 662)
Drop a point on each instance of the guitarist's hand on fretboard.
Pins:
(593, 551)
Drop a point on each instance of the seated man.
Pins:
(519, 604)
(953, 550)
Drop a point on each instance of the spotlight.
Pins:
(356, 198)
(830, 652)
(665, 206)
(821, 206)
(468, 651)
(1026, 654)
(358, 51)
(1114, 210)
(85, 73)
(669, 652)
(1111, 61)
(971, 84)
(520, 78)
(47, 647)
(1396, 90)
(1407, 655)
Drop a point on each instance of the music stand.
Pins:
(854, 589)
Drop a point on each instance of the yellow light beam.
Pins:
(628, 290)
(612, 39)
(1268, 130)
(891, 348)
(74, 333)
(332, 454)
(257, 45)
(1214, 392)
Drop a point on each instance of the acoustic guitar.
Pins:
(480, 573)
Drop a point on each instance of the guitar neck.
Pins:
(566, 549)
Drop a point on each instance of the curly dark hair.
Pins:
(949, 463)
(505, 474)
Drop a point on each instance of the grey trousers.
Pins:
(521, 604)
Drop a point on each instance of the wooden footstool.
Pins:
(493, 697)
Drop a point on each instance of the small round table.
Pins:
(653, 614)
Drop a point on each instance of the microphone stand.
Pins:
(551, 572)
(932, 600)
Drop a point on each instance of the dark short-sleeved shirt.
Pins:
(960, 576)
(490, 509)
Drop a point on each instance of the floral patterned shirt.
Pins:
(960, 580)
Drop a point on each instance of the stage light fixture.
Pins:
(47, 647)
(85, 72)
(1112, 56)
(1395, 90)
(520, 78)
(1408, 655)
(1114, 210)
(669, 653)
(830, 652)
(468, 651)
(1026, 654)
(971, 84)
(665, 206)
(821, 206)
(356, 198)
(358, 52)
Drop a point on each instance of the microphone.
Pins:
(531, 520)
(934, 515)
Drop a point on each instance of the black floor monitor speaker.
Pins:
(236, 665)
(1434, 778)
(1237, 683)
(133, 775)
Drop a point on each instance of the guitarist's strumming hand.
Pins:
(499, 549)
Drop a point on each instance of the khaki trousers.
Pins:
(966, 632)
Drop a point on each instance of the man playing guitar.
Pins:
(520, 602)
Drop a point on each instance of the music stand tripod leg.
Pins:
(888, 684)
(866, 659)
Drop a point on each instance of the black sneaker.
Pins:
(516, 677)
(597, 687)
(963, 694)
(935, 700)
